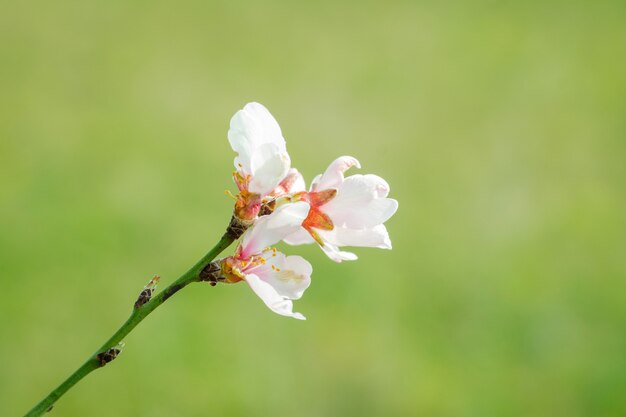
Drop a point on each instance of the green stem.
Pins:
(135, 318)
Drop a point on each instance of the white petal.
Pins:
(315, 181)
(271, 229)
(289, 275)
(380, 187)
(255, 125)
(268, 168)
(361, 188)
(375, 237)
(250, 128)
(333, 176)
(271, 297)
(337, 255)
(300, 237)
(358, 203)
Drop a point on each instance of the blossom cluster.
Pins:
(274, 205)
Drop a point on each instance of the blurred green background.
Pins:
(500, 126)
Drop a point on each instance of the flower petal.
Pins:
(337, 255)
(250, 128)
(333, 177)
(271, 297)
(375, 237)
(289, 275)
(292, 183)
(315, 181)
(300, 237)
(268, 168)
(358, 203)
(269, 230)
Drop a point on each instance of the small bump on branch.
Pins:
(146, 294)
(237, 227)
(108, 355)
(212, 273)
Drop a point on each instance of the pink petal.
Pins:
(292, 183)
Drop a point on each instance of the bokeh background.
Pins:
(500, 126)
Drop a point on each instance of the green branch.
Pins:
(108, 350)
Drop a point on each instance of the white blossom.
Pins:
(262, 161)
(345, 211)
(276, 278)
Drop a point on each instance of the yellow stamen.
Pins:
(228, 193)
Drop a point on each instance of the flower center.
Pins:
(247, 205)
(230, 270)
(316, 218)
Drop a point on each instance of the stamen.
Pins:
(228, 193)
